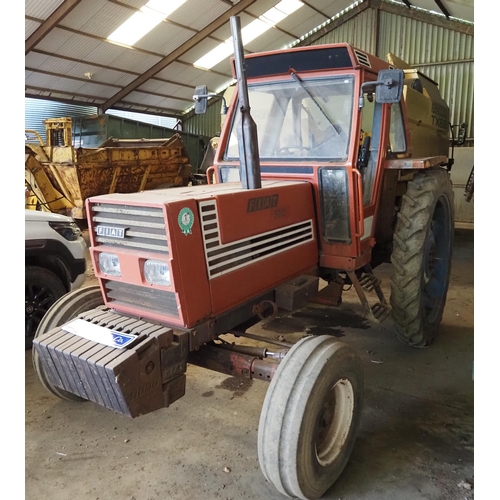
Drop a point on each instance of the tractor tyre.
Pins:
(42, 288)
(421, 257)
(310, 417)
(65, 309)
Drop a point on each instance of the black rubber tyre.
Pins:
(64, 310)
(310, 417)
(423, 244)
(41, 289)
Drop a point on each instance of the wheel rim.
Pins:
(38, 299)
(437, 257)
(334, 422)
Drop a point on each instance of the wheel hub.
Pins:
(334, 422)
(436, 262)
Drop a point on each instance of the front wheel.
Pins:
(310, 417)
(423, 242)
(62, 311)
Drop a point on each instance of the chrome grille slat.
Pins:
(125, 209)
(151, 236)
(144, 227)
(125, 222)
(141, 297)
(140, 245)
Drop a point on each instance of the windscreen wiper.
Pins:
(336, 127)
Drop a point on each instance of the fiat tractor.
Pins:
(330, 162)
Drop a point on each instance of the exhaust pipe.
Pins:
(247, 130)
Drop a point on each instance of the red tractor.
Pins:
(343, 165)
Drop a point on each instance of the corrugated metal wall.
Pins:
(90, 129)
(38, 110)
(359, 31)
(208, 124)
(444, 55)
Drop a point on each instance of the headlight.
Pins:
(157, 272)
(109, 264)
(68, 230)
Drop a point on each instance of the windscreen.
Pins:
(299, 119)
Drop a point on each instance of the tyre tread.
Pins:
(412, 226)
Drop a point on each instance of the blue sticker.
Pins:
(122, 339)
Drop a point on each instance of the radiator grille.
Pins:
(223, 258)
(143, 228)
(143, 298)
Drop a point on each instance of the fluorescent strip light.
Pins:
(253, 30)
(215, 55)
(143, 21)
(250, 32)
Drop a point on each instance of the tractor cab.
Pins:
(321, 117)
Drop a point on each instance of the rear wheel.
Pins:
(310, 417)
(41, 289)
(423, 241)
(62, 311)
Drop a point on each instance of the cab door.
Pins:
(382, 132)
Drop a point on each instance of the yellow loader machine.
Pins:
(59, 177)
(342, 165)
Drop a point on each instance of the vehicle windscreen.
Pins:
(299, 119)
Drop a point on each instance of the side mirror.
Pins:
(388, 87)
(200, 97)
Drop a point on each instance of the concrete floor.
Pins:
(416, 439)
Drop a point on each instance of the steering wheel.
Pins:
(286, 149)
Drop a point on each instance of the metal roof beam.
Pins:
(460, 27)
(334, 24)
(105, 84)
(136, 49)
(309, 4)
(159, 66)
(97, 102)
(444, 10)
(107, 66)
(394, 9)
(51, 22)
(166, 20)
(211, 71)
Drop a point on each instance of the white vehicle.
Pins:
(55, 263)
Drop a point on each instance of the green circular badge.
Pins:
(186, 220)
